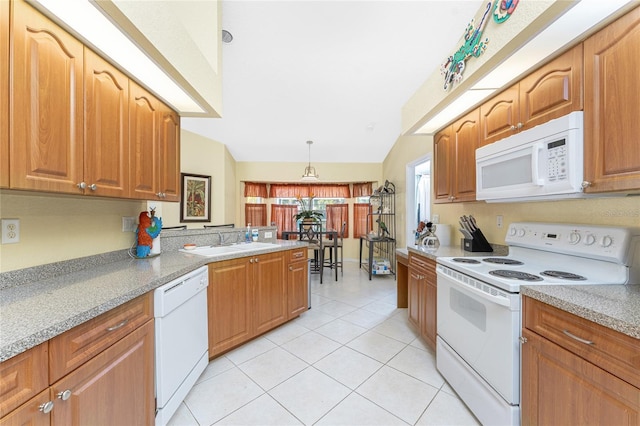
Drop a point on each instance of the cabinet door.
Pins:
(553, 90)
(428, 329)
(116, 387)
(500, 116)
(143, 140)
(46, 146)
(4, 94)
(297, 288)
(611, 108)
(106, 156)
(23, 376)
(169, 155)
(466, 133)
(561, 388)
(229, 304)
(442, 166)
(269, 292)
(413, 288)
(29, 413)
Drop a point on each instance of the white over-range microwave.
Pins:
(544, 162)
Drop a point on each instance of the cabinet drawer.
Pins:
(427, 265)
(74, 347)
(22, 377)
(296, 255)
(612, 351)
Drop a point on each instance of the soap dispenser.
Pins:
(247, 235)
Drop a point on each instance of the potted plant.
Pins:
(306, 214)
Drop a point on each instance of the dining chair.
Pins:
(336, 250)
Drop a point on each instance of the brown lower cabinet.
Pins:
(422, 295)
(252, 295)
(114, 386)
(566, 381)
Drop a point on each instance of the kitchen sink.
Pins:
(210, 251)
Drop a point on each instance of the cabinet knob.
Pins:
(82, 185)
(291, 268)
(250, 260)
(64, 395)
(512, 127)
(93, 187)
(257, 260)
(46, 407)
(520, 125)
(523, 339)
(585, 184)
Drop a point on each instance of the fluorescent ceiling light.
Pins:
(88, 22)
(576, 22)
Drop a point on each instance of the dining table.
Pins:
(326, 238)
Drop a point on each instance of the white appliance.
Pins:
(182, 349)
(478, 310)
(544, 162)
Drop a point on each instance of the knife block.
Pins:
(478, 243)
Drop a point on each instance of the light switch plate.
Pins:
(10, 231)
(268, 234)
(129, 224)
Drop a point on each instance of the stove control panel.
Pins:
(593, 241)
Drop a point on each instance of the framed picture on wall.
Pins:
(195, 205)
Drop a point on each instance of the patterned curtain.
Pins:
(255, 214)
(252, 189)
(363, 189)
(336, 214)
(293, 190)
(282, 217)
(361, 226)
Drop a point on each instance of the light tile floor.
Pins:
(353, 359)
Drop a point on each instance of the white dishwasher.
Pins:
(182, 354)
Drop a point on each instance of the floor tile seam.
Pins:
(255, 356)
(369, 356)
(341, 343)
(311, 364)
(344, 384)
(284, 343)
(390, 337)
(280, 382)
(379, 406)
(437, 388)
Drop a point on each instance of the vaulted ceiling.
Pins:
(334, 72)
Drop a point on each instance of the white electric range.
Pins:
(479, 322)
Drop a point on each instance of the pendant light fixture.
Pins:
(310, 174)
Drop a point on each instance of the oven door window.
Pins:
(469, 308)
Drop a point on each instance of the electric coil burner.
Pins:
(502, 261)
(478, 304)
(563, 275)
(515, 275)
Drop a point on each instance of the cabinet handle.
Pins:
(585, 184)
(523, 340)
(115, 327)
(82, 185)
(579, 339)
(46, 407)
(93, 187)
(64, 395)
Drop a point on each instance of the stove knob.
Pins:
(589, 239)
(574, 238)
(606, 241)
(521, 232)
(512, 231)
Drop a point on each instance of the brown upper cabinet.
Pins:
(46, 127)
(4, 94)
(553, 90)
(455, 160)
(106, 156)
(79, 125)
(612, 108)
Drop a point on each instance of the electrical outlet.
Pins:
(499, 221)
(129, 224)
(10, 231)
(268, 234)
(436, 218)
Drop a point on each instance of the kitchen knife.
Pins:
(473, 222)
(466, 234)
(466, 225)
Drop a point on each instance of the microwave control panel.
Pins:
(557, 162)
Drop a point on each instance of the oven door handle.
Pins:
(502, 301)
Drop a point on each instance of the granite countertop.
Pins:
(613, 306)
(38, 310)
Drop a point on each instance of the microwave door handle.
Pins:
(535, 173)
